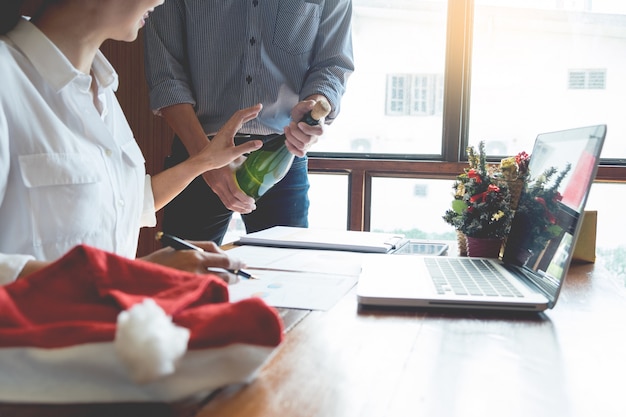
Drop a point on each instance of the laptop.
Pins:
(529, 277)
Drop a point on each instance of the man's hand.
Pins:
(301, 136)
(222, 182)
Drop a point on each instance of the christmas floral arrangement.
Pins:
(482, 203)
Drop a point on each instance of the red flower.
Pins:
(522, 160)
(477, 197)
(483, 196)
(472, 173)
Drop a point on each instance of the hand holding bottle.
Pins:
(265, 167)
(300, 135)
(223, 183)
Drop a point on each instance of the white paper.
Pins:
(296, 278)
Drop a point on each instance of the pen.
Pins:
(181, 244)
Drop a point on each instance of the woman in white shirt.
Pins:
(70, 169)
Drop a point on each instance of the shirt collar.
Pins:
(50, 62)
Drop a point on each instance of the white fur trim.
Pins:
(147, 341)
(93, 373)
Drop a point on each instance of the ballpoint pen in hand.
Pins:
(181, 244)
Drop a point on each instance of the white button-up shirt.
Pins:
(71, 171)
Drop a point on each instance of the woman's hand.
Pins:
(221, 149)
(195, 261)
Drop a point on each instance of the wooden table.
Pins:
(569, 361)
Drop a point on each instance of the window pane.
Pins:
(235, 229)
(539, 66)
(610, 245)
(412, 206)
(393, 100)
(329, 201)
(328, 197)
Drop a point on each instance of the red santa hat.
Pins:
(97, 327)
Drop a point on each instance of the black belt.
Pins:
(179, 153)
(243, 138)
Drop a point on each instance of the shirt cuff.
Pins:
(170, 93)
(11, 266)
(148, 214)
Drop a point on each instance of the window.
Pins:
(526, 66)
(394, 99)
(427, 95)
(412, 206)
(415, 95)
(540, 66)
(397, 94)
(324, 213)
(587, 79)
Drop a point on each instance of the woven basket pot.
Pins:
(462, 243)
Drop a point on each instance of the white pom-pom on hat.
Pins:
(148, 342)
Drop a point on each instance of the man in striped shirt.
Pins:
(207, 59)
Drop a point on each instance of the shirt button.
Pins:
(255, 3)
(249, 79)
(252, 41)
(108, 152)
(121, 203)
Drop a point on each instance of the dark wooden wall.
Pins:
(151, 132)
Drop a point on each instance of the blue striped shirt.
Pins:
(223, 55)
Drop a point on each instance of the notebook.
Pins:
(528, 278)
(312, 238)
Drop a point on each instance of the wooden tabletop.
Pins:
(348, 361)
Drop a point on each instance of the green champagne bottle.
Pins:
(269, 164)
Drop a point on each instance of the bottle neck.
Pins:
(308, 119)
(274, 143)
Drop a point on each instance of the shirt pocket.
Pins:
(66, 195)
(297, 24)
(134, 178)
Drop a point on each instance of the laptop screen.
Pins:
(547, 221)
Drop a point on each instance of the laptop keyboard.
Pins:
(469, 276)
